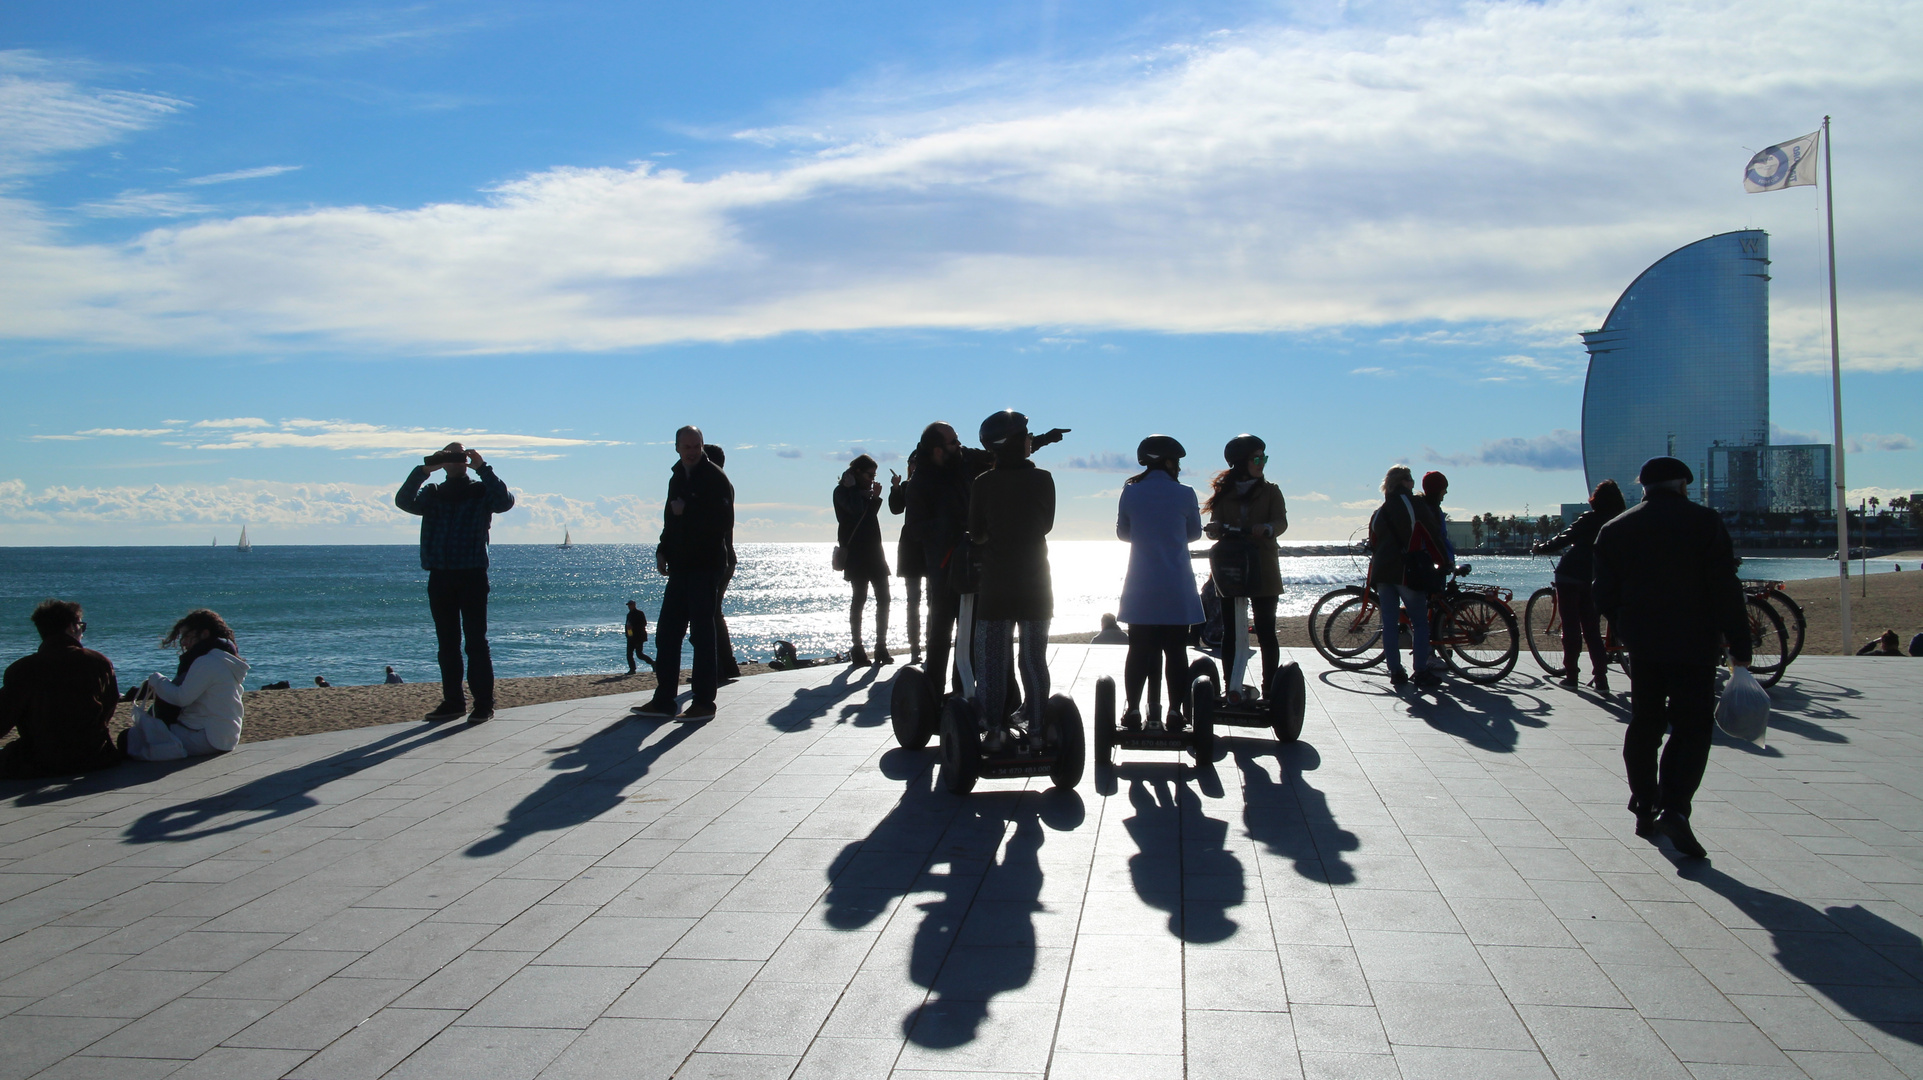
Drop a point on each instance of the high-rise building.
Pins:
(1783, 479)
(1682, 361)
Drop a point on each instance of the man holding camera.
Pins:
(455, 517)
(696, 553)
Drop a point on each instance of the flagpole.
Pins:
(1836, 398)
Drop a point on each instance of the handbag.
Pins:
(149, 739)
(1422, 563)
(837, 561)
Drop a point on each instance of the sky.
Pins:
(255, 259)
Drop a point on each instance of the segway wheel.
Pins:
(1202, 698)
(1287, 698)
(1064, 720)
(913, 708)
(1104, 721)
(1202, 669)
(961, 745)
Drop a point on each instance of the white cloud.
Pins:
(1313, 496)
(145, 204)
(1356, 504)
(1860, 444)
(1515, 163)
(240, 174)
(114, 431)
(1858, 496)
(233, 422)
(1780, 436)
(43, 112)
(1105, 461)
(1561, 449)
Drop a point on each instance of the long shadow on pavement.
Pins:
(39, 791)
(590, 777)
(1181, 864)
(1292, 818)
(278, 795)
(1479, 716)
(811, 703)
(1870, 967)
(976, 938)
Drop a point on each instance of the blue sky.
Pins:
(257, 257)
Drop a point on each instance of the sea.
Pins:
(345, 612)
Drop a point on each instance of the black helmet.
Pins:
(1001, 427)
(1159, 448)
(1241, 448)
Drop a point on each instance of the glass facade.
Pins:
(1767, 479)
(1682, 362)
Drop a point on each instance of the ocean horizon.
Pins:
(346, 611)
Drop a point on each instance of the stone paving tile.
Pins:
(1435, 885)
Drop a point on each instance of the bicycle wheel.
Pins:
(1542, 625)
(1320, 612)
(1353, 633)
(1618, 652)
(1793, 622)
(1482, 639)
(1768, 641)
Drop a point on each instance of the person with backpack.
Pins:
(1244, 500)
(1405, 566)
(1575, 598)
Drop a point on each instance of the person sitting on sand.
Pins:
(1916, 645)
(59, 698)
(321, 681)
(393, 677)
(1883, 644)
(198, 711)
(1111, 632)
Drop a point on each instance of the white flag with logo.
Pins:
(1785, 165)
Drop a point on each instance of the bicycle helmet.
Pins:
(1000, 429)
(1158, 448)
(1241, 448)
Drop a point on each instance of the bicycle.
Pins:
(1475, 629)
(1794, 621)
(1542, 625)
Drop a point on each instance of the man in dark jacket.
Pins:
(456, 515)
(1666, 580)
(1010, 514)
(695, 553)
(60, 699)
(637, 635)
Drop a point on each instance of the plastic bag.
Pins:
(150, 740)
(1743, 710)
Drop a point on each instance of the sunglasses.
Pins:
(1260, 459)
(80, 626)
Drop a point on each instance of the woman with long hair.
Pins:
(911, 560)
(1575, 598)
(1159, 517)
(198, 711)
(1243, 498)
(857, 504)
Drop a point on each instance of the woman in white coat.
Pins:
(198, 711)
(1160, 518)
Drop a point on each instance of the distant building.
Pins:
(1462, 535)
(1572, 511)
(1789, 479)
(1682, 362)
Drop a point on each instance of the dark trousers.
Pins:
(881, 611)
(1148, 643)
(1576, 602)
(1679, 699)
(726, 666)
(458, 599)
(687, 609)
(944, 605)
(635, 645)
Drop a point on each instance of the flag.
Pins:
(1785, 165)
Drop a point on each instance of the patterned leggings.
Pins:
(993, 656)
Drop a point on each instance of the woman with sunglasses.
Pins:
(1244, 500)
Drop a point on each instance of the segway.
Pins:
(1197, 736)
(1056, 751)
(1280, 704)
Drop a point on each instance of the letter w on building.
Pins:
(1785, 165)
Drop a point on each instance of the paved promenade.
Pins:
(1426, 886)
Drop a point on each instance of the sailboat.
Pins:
(244, 544)
(566, 543)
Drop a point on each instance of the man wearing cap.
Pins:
(1666, 580)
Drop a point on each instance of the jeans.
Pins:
(458, 601)
(635, 646)
(881, 612)
(687, 608)
(1679, 699)
(944, 606)
(993, 661)
(912, 586)
(1576, 602)
(1390, 599)
(1259, 610)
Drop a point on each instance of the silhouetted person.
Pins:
(1010, 514)
(1112, 633)
(321, 681)
(637, 633)
(697, 524)
(726, 667)
(1666, 580)
(911, 560)
(1575, 598)
(60, 699)
(857, 501)
(1159, 518)
(455, 517)
(393, 678)
(1883, 644)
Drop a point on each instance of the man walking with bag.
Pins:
(455, 517)
(1666, 581)
(694, 552)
